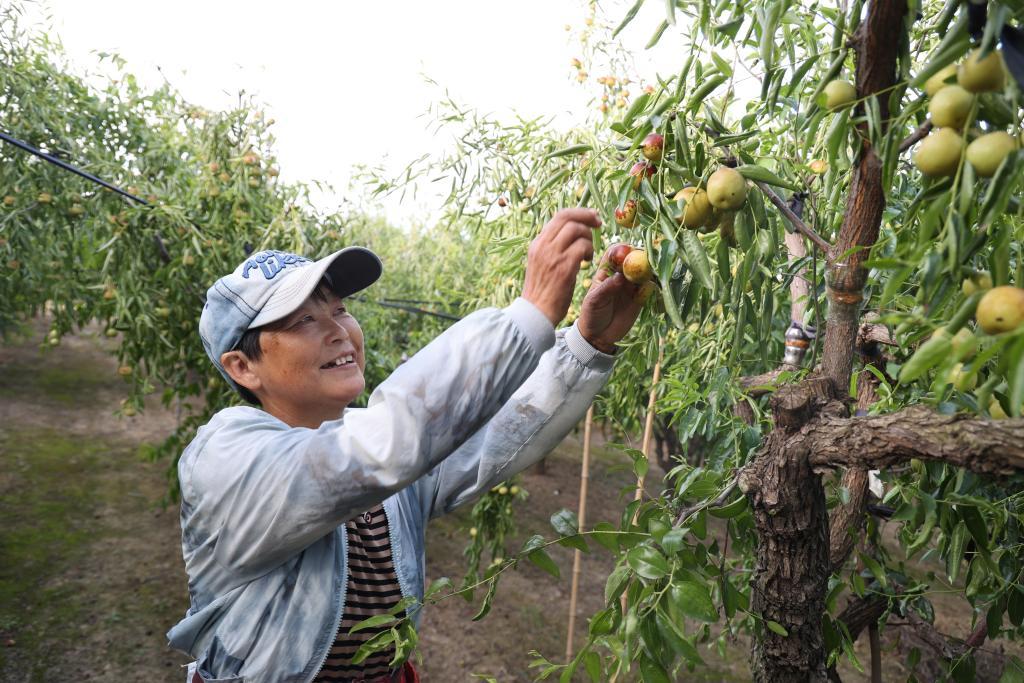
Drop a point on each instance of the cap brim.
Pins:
(350, 270)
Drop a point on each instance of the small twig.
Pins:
(916, 136)
(794, 219)
(717, 502)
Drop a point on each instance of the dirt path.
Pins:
(91, 575)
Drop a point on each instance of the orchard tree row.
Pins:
(833, 232)
(140, 272)
(837, 255)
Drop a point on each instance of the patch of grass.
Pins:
(46, 379)
(47, 501)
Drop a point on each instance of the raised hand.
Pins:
(553, 260)
(611, 306)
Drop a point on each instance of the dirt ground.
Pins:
(91, 575)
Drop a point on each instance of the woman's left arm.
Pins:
(545, 408)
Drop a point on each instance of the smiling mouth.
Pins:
(339, 362)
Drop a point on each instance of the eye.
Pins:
(303, 319)
(341, 310)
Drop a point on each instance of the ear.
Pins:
(241, 369)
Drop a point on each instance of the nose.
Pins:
(336, 331)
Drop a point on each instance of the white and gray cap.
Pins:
(269, 285)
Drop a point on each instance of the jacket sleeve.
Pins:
(530, 424)
(270, 490)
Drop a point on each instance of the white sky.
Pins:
(344, 80)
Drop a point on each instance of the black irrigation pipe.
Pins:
(164, 254)
(60, 163)
(408, 309)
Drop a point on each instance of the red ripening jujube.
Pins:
(617, 254)
(639, 170)
(652, 147)
(626, 216)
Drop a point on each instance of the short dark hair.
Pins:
(249, 344)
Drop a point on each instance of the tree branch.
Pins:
(793, 218)
(845, 521)
(877, 43)
(916, 136)
(993, 447)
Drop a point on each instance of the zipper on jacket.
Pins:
(341, 607)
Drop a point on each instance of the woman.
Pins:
(301, 517)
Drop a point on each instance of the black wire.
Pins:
(68, 167)
(409, 309)
(159, 242)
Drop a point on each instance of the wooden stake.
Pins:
(645, 446)
(577, 557)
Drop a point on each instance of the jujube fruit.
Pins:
(636, 267)
(626, 215)
(839, 94)
(617, 254)
(939, 153)
(695, 209)
(982, 75)
(938, 81)
(1001, 309)
(652, 147)
(727, 189)
(950, 107)
(640, 170)
(987, 152)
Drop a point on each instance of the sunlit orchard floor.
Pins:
(91, 575)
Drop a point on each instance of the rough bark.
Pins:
(992, 447)
(791, 575)
(877, 44)
(847, 520)
(786, 495)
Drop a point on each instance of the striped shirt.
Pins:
(372, 589)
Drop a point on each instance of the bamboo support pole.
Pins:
(577, 557)
(645, 446)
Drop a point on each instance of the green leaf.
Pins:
(652, 672)
(672, 541)
(733, 509)
(693, 599)
(976, 524)
(616, 583)
(635, 108)
(647, 562)
(540, 558)
(762, 174)
(437, 586)
(657, 34)
(565, 522)
(927, 356)
(607, 535)
(955, 551)
(697, 258)
(1013, 672)
(776, 627)
(374, 621)
(729, 28)
(592, 665)
(629, 17)
(875, 568)
(568, 151)
(576, 542)
(485, 606)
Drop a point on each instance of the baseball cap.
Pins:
(269, 285)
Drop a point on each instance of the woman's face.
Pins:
(312, 362)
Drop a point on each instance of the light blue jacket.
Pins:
(263, 505)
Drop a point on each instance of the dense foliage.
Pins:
(751, 93)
